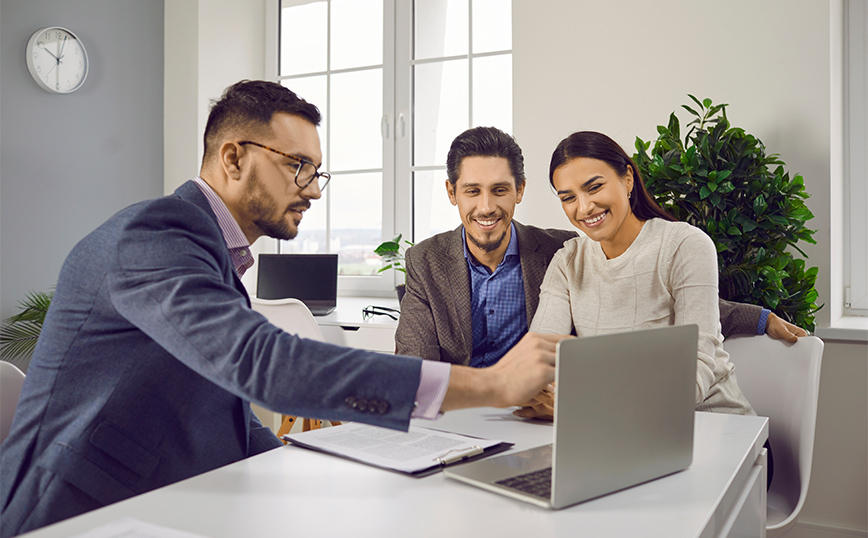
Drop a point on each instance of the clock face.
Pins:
(57, 60)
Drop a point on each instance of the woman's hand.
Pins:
(541, 406)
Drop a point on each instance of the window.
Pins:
(396, 81)
(856, 160)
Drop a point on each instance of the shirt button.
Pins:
(491, 311)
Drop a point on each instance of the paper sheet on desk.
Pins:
(413, 452)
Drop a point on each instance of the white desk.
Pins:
(347, 327)
(296, 492)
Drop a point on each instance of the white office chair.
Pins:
(11, 380)
(294, 317)
(782, 382)
(291, 315)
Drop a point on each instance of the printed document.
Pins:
(414, 451)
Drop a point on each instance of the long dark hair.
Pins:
(594, 145)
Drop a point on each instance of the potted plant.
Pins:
(19, 333)
(720, 179)
(392, 253)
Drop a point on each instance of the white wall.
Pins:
(623, 67)
(210, 44)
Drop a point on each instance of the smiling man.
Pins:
(150, 354)
(472, 292)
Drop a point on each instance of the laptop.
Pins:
(624, 407)
(310, 278)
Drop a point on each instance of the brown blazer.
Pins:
(435, 311)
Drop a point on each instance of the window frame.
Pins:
(855, 180)
(380, 284)
(397, 128)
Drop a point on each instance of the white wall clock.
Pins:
(57, 60)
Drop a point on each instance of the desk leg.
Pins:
(307, 424)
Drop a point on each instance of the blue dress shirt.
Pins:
(498, 309)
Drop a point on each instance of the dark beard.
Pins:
(490, 246)
(261, 206)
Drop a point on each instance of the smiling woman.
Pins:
(635, 268)
(596, 183)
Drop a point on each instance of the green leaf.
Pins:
(779, 220)
(386, 248)
(803, 214)
(706, 102)
(687, 108)
(759, 205)
(725, 187)
(704, 192)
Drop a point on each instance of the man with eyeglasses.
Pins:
(472, 292)
(150, 354)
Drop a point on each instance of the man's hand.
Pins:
(541, 406)
(782, 330)
(514, 380)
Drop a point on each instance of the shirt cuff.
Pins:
(763, 321)
(433, 382)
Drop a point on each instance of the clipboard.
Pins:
(418, 452)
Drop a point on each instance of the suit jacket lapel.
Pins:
(459, 282)
(533, 268)
(190, 192)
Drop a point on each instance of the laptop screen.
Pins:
(306, 277)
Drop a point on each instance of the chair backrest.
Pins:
(782, 382)
(11, 380)
(291, 315)
(294, 317)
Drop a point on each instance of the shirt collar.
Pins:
(232, 233)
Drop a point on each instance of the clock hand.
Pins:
(62, 45)
(49, 52)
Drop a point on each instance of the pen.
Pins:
(472, 451)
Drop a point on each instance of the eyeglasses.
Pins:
(371, 311)
(305, 172)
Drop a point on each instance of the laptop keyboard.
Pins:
(536, 483)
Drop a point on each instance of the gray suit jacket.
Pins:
(435, 311)
(435, 319)
(149, 358)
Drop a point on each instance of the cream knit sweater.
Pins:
(668, 276)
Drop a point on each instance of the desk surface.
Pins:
(298, 492)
